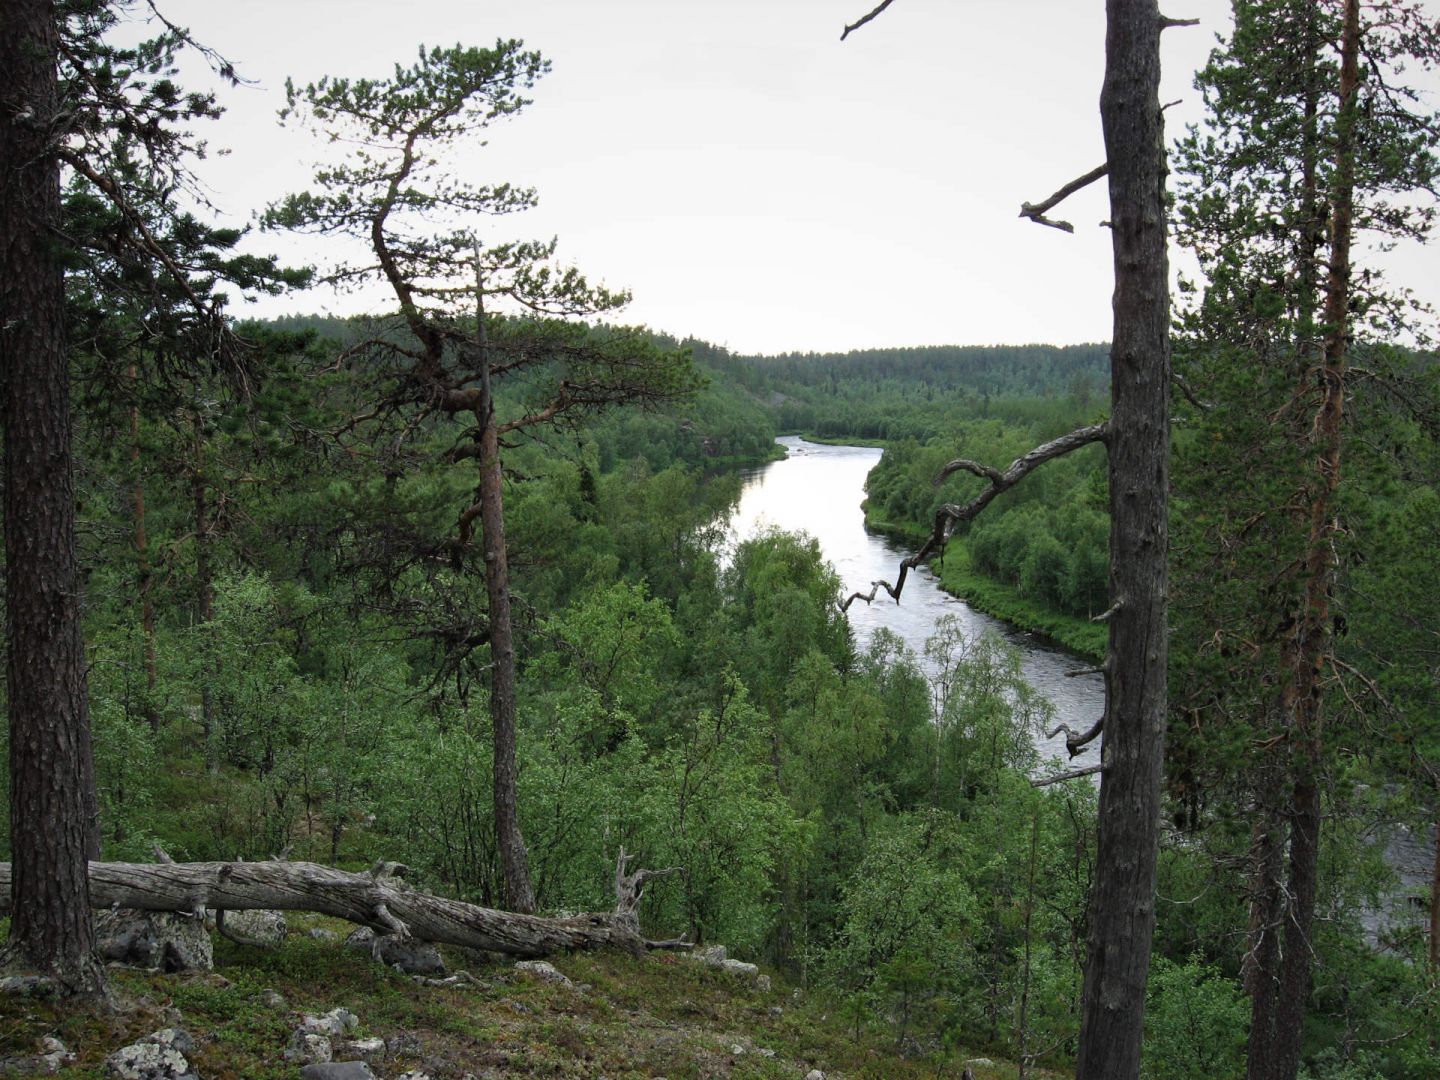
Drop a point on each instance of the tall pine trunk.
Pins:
(514, 859)
(1122, 902)
(1307, 648)
(204, 595)
(144, 575)
(54, 826)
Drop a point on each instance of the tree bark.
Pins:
(377, 900)
(1122, 902)
(204, 595)
(514, 859)
(54, 823)
(142, 556)
(1307, 648)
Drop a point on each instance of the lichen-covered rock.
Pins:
(543, 970)
(405, 1044)
(322, 933)
(257, 927)
(409, 955)
(762, 983)
(714, 955)
(365, 1048)
(52, 1057)
(273, 999)
(740, 968)
(154, 939)
(815, 1074)
(334, 1024)
(306, 1047)
(158, 1056)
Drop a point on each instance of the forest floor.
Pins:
(663, 1015)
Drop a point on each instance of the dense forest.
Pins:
(451, 584)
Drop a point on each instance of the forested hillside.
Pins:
(449, 584)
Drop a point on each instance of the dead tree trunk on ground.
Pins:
(379, 900)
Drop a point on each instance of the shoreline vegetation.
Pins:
(958, 578)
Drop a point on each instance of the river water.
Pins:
(818, 489)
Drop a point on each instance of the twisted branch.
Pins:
(1036, 211)
(950, 515)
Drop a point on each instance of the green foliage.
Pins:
(1195, 1023)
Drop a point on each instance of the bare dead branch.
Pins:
(1075, 741)
(630, 887)
(1166, 22)
(1110, 612)
(1036, 211)
(1184, 387)
(1085, 671)
(865, 18)
(1073, 774)
(950, 515)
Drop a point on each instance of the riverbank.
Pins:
(959, 578)
(839, 440)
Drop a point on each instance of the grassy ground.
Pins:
(659, 1016)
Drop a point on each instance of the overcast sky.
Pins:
(752, 180)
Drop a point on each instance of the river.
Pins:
(818, 489)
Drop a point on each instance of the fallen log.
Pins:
(378, 899)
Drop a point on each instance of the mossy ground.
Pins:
(660, 1015)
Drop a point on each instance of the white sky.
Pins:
(753, 181)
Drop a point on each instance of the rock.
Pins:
(414, 1074)
(154, 939)
(543, 970)
(403, 1045)
(337, 1070)
(714, 955)
(762, 983)
(409, 955)
(48, 1062)
(308, 1048)
(158, 1056)
(257, 927)
(765, 1052)
(175, 1038)
(775, 1010)
(739, 967)
(737, 1050)
(366, 1048)
(334, 1023)
(273, 999)
(815, 1074)
(321, 933)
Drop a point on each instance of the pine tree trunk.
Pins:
(54, 824)
(514, 859)
(1308, 649)
(204, 596)
(142, 553)
(1122, 902)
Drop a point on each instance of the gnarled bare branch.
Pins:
(1036, 211)
(950, 515)
(865, 18)
(1073, 774)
